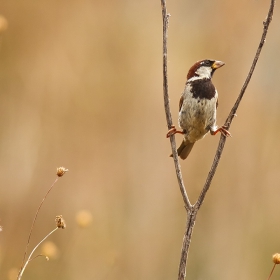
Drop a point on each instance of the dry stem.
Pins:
(29, 258)
(23, 265)
(34, 220)
(271, 271)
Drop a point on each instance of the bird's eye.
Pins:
(206, 63)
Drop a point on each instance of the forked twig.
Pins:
(193, 209)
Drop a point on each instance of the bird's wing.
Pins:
(181, 103)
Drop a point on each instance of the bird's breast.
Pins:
(197, 115)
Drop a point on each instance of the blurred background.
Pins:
(81, 87)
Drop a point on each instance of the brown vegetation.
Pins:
(81, 86)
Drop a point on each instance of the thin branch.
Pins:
(193, 209)
(186, 243)
(40, 255)
(232, 113)
(165, 18)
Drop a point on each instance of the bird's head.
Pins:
(204, 69)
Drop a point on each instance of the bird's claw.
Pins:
(173, 131)
(223, 130)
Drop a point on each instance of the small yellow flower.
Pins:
(276, 258)
(83, 218)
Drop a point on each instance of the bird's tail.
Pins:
(184, 149)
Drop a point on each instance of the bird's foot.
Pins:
(173, 131)
(222, 129)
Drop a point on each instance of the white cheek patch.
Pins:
(204, 72)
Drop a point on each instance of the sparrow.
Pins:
(198, 105)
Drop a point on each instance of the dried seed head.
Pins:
(61, 171)
(60, 223)
(276, 258)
